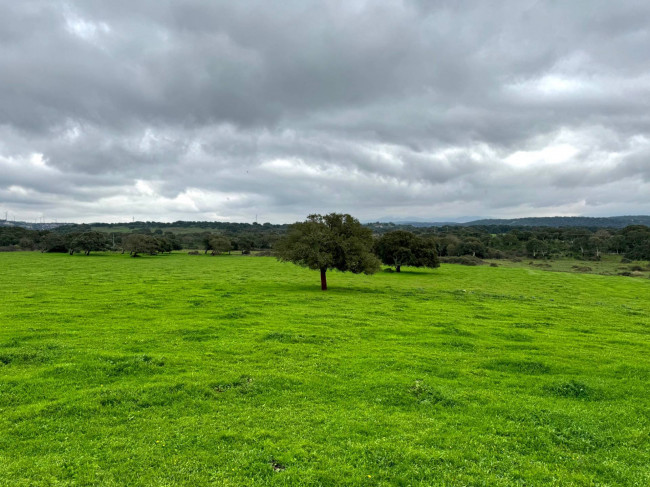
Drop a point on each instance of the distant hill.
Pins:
(380, 226)
(31, 226)
(410, 223)
(567, 221)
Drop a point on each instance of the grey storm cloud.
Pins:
(196, 110)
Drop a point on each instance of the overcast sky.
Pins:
(208, 110)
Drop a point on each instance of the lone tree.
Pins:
(400, 248)
(333, 241)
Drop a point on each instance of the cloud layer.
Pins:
(171, 110)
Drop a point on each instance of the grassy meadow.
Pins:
(196, 370)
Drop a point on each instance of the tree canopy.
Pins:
(88, 241)
(139, 244)
(402, 248)
(219, 244)
(334, 241)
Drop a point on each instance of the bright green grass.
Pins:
(198, 370)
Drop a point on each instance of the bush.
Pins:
(495, 254)
(578, 268)
(463, 260)
(265, 253)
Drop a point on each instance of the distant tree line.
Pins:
(407, 248)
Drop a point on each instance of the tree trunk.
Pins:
(323, 280)
(398, 268)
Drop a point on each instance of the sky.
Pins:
(218, 110)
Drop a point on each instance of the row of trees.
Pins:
(88, 242)
(498, 241)
(85, 242)
(17, 238)
(633, 242)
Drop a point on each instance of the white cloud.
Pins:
(186, 110)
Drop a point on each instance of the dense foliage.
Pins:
(333, 241)
(496, 241)
(402, 248)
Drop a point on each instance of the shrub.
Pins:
(265, 253)
(463, 260)
(578, 268)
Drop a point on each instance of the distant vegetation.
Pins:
(551, 221)
(568, 221)
(485, 242)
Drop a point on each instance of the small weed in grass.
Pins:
(427, 395)
(280, 337)
(277, 466)
(574, 390)
(243, 385)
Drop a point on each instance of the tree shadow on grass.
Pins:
(314, 289)
(410, 271)
(103, 255)
(92, 254)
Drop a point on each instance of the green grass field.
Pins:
(198, 370)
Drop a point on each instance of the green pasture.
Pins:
(195, 370)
